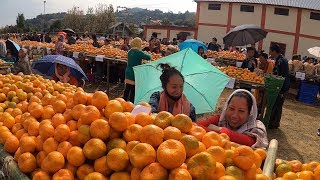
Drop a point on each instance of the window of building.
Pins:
(315, 16)
(247, 8)
(214, 7)
(281, 11)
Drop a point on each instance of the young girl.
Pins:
(238, 121)
(172, 99)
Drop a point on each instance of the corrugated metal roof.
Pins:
(307, 4)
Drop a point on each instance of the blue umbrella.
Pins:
(203, 82)
(193, 44)
(14, 47)
(46, 66)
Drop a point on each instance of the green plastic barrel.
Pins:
(273, 85)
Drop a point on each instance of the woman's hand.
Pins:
(214, 128)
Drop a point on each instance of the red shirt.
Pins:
(72, 81)
(234, 136)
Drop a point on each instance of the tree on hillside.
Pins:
(166, 22)
(21, 22)
(74, 19)
(56, 26)
(105, 17)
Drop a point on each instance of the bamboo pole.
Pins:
(269, 163)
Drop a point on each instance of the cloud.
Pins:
(32, 8)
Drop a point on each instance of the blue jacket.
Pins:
(281, 68)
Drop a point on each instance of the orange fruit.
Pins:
(62, 133)
(50, 145)
(220, 171)
(135, 174)
(131, 145)
(48, 112)
(118, 121)
(144, 119)
(63, 174)
(33, 128)
(218, 153)
(117, 159)
(262, 153)
(212, 139)
(171, 154)
(36, 111)
(74, 138)
(70, 167)
(53, 162)
(116, 143)
(4, 136)
(27, 144)
(179, 174)
(152, 135)
(15, 127)
(261, 177)
(227, 177)
(163, 119)
(257, 160)
(182, 122)
(75, 156)
(62, 97)
(142, 154)
(132, 133)
(112, 106)
(72, 125)
(46, 131)
(101, 166)
(251, 173)
(317, 173)
(100, 129)
(77, 111)
(190, 144)
(201, 148)
(289, 176)
(100, 99)
(244, 157)
(94, 176)
(306, 175)
(68, 115)
(90, 114)
(27, 162)
(58, 119)
(172, 133)
(12, 144)
(201, 166)
(94, 149)
(129, 106)
(17, 154)
(282, 169)
(64, 147)
(84, 170)
(295, 165)
(154, 171)
(8, 121)
(120, 175)
(312, 165)
(197, 132)
(80, 98)
(18, 134)
(41, 175)
(235, 172)
(59, 106)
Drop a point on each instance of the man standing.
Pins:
(281, 69)
(213, 46)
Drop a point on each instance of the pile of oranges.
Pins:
(226, 55)
(58, 131)
(242, 74)
(36, 44)
(294, 169)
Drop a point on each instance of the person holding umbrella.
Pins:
(172, 99)
(135, 57)
(62, 74)
(22, 65)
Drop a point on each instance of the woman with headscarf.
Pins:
(3, 49)
(135, 57)
(62, 74)
(172, 99)
(59, 46)
(239, 121)
(23, 64)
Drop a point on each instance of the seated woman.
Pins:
(201, 52)
(62, 74)
(172, 99)
(5, 54)
(238, 121)
(22, 64)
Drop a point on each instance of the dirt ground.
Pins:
(297, 135)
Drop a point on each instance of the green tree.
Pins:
(56, 25)
(21, 22)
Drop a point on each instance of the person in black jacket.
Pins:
(213, 46)
(281, 69)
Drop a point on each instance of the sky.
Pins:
(32, 8)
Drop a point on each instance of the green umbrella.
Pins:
(203, 82)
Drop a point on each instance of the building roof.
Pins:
(306, 4)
